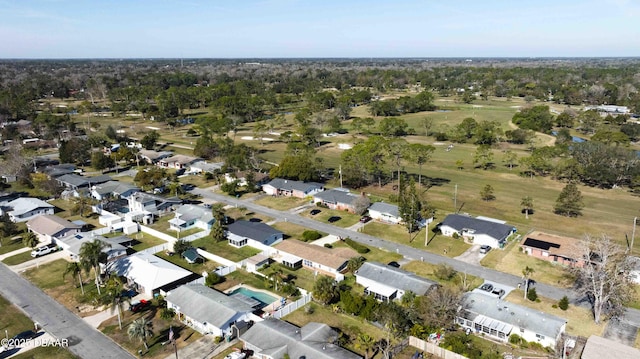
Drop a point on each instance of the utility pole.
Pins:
(633, 234)
(455, 199)
(340, 172)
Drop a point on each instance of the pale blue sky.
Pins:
(318, 28)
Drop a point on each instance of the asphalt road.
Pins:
(632, 316)
(84, 341)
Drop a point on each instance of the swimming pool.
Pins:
(264, 298)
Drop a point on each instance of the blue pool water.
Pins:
(262, 297)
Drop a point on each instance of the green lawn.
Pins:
(281, 203)
(291, 230)
(346, 219)
(223, 249)
(438, 244)
(460, 280)
(162, 225)
(198, 268)
(243, 215)
(374, 254)
(17, 258)
(9, 245)
(145, 241)
(12, 319)
(302, 277)
(46, 353)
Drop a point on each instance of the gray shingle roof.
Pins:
(116, 187)
(289, 185)
(337, 196)
(395, 277)
(50, 224)
(599, 348)
(390, 209)
(23, 205)
(207, 305)
(80, 181)
(190, 212)
(480, 226)
(254, 230)
(516, 315)
(275, 338)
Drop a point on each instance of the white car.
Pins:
(41, 251)
(236, 355)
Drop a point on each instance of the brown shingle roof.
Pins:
(330, 257)
(49, 224)
(554, 244)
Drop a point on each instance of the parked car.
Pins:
(498, 292)
(314, 212)
(394, 264)
(487, 287)
(365, 219)
(44, 250)
(485, 249)
(139, 306)
(236, 355)
(27, 334)
(333, 219)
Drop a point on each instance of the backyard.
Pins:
(223, 249)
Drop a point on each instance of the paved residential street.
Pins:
(632, 316)
(84, 341)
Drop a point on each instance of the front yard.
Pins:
(427, 270)
(223, 249)
(281, 203)
(18, 258)
(346, 219)
(199, 267)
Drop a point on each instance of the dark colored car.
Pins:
(394, 264)
(333, 219)
(314, 212)
(486, 287)
(27, 334)
(139, 305)
(365, 219)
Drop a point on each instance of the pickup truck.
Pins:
(41, 251)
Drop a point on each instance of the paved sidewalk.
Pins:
(19, 268)
(13, 253)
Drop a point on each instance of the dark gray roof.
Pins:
(395, 277)
(390, 209)
(254, 230)
(337, 196)
(116, 187)
(59, 170)
(522, 317)
(207, 305)
(80, 181)
(275, 338)
(289, 185)
(480, 226)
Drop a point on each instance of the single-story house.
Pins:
(189, 216)
(24, 208)
(289, 188)
(152, 157)
(117, 245)
(177, 161)
(340, 199)
(550, 247)
(204, 166)
(329, 261)
(275, 339)
(113, 189)
(480, 230)
(385, 212)
(599, 348)
(241, 176)
(59, 170)
(207, 310)
(49, 228)
(74, 182)
(387, 283)
(497, 319)
(254, 263)
(242, 233)
(149, 274)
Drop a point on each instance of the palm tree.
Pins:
(354, 263)
(141, 329)
(365, 342)
(527, 204)
(526, 273)
(174, 188)
(30, 240)
(91, 255)
(74, 269)
(113, 296)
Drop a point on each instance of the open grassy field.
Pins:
(49, 278)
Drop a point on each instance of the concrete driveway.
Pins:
(471, 255)
(621, 331)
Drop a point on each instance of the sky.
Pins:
(318, 28)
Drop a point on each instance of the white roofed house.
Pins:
(152, 157)
(209, 311)
(24, 208)
(147, 205)
(255, 234)
(329, 261)
(117, 245)
(177, 161)
(387, 283)
(499, 319)
(289, 188)
(49, 228)
(149, 274)
(385, 212)
(188, 216)
(484, 231)
(203, 166)
(275, 339)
